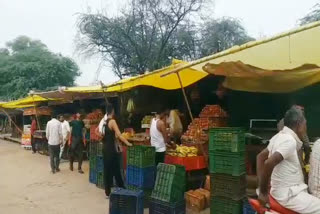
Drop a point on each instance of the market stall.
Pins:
(42, 115)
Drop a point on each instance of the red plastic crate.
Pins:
(190, 163)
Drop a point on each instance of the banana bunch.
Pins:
(184, 151)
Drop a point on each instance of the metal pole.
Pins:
(185, 96)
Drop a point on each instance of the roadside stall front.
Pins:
(42, 115)
(272, 71)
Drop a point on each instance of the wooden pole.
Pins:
(185, 96)
(11, 120)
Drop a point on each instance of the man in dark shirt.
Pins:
(77, 141)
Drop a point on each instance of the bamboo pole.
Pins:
(6, 113)
(185, 96)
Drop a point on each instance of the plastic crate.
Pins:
(93, 162)
(92, 148)
(233, 187)
(170, 183)
(126, 202)
(99, 163)
(141, 177)
(93, 176)
(160, 207)
(146, 194)
(220, 205)
(227, 163)
(227, 139)
(190, 163)
(100, 180)
(247, 209)
(141, 156)
(99, 149)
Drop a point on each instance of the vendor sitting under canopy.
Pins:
(280, 162)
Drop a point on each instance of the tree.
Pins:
(142, 38)
(313, 16)
(148, 33)
(221, 34)
(27, 64)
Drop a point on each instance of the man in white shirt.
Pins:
(159, 135)
(314, 174)
(55, 138)
(283, 166)
(65, 133)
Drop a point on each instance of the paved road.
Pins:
(28, 187)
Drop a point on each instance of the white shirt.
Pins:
(54, 132)
(287, 179)
(157, 139)
(102, 124)
(314, 174)
(65, 129)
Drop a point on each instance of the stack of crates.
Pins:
(140, 174)
(93, 162)
(168, 193)
(126, 202)
(99, 162)
(227, 170)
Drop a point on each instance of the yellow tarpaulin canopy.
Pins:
(28, 101)
(154, 79)
(284, 63)
(85, 89)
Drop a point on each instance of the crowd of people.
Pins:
(60, 131)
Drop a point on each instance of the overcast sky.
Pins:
(54, 22)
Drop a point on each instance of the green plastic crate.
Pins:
(227, 139)
(93, 149)
(93, 162)
(100, 181)
(228, 186)
(141, 156)
(170, 183)
(220, 205)
(227, 163)
(99, 149)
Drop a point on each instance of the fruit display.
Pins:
(211, 116)
(127, 135)
(95, 116)
(212, 111)
(146, 120)
(183, 151)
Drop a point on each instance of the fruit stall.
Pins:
(42, 116)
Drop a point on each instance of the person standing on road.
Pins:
(33, 130)
(111, 151)
(65, 133)
(78, 141)
(159, 135)
(54, 136)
